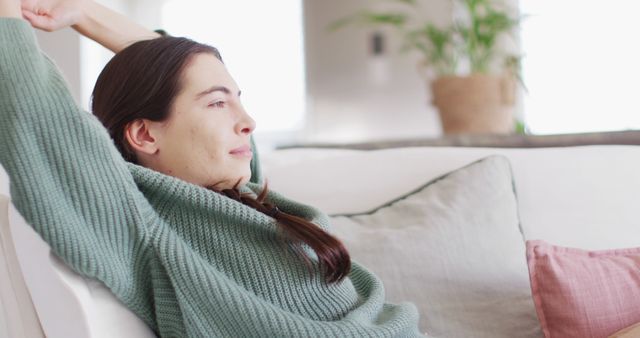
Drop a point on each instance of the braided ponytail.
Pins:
(333, 257)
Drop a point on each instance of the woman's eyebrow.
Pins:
(216, 89)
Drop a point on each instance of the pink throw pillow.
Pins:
(580, 293)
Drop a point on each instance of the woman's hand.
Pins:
(89, 18)
(51, 15)
(10, 9)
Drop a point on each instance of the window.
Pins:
(581, 65)
(261, 43)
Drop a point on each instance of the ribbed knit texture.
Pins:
(189, 261)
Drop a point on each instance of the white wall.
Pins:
(80, 59)
(64, 48)
(345, 103)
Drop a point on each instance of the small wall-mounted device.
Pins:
(378, 62)
(377, 44)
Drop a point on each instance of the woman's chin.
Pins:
(245, 179)
(239, 181)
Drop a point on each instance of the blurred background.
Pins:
(344, 71)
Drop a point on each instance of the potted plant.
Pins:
(473, 81)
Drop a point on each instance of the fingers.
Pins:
(29, 5)
(34, 7)
(27, 15)
(39, 11)
(42, 22)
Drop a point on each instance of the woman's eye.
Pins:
(218, 104)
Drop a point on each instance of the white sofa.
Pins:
(584, 197)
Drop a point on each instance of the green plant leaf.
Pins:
(406, 2)
(394, 19)
(370, 18)
(342, 22)
(520, 128)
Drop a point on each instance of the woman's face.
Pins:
(206, 139)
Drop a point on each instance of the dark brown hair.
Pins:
(142, 81)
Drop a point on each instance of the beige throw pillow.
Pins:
(454, 248)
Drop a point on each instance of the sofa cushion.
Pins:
(453, 247)
(580, 293)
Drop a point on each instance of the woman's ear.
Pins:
(141, 138)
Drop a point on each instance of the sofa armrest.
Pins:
(18, 317)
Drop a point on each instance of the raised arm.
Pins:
(112, 30)
(67, 179)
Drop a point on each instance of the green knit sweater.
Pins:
(188, 261)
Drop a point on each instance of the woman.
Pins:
(171, 218)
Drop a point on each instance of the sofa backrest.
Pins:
(571, 196)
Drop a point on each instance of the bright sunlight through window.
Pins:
(581, 65)
(261, 43)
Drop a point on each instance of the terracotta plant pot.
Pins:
(476, 104)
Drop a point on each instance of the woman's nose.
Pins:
(246, 125)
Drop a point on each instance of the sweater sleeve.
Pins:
(67, 179)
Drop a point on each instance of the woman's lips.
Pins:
(244, 151)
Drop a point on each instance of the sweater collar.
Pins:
(160, 187)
